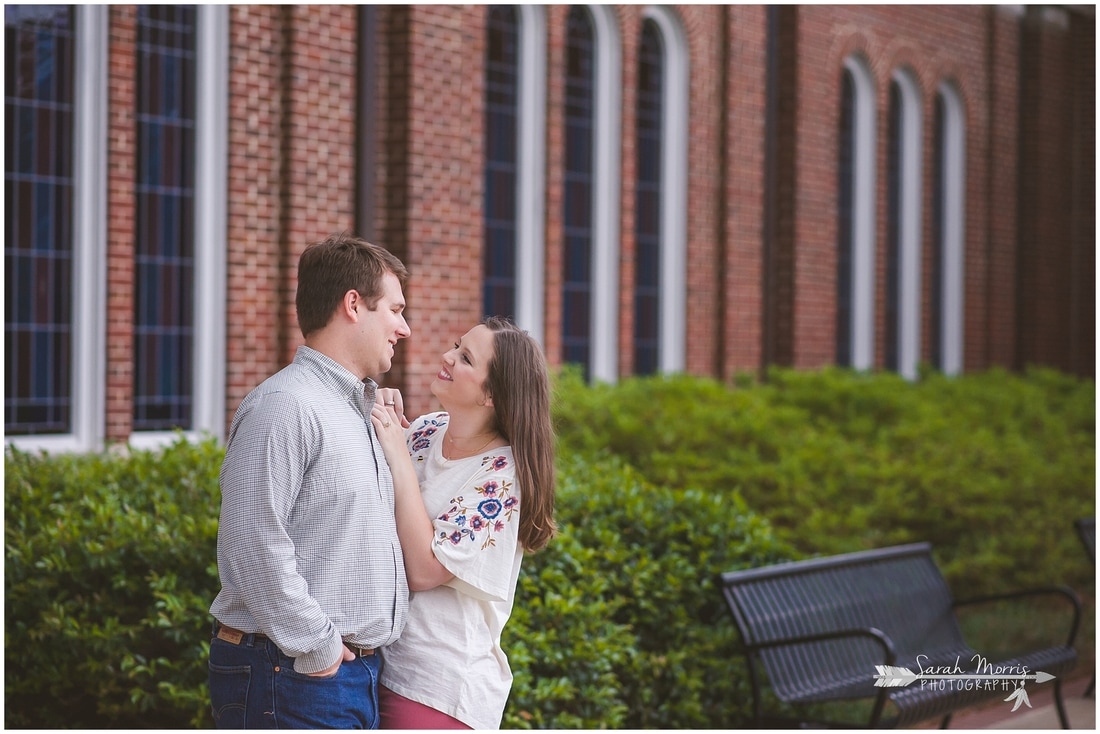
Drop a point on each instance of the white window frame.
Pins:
(211, 171)
(953, 239)
(909, 224)
(531, 178)
(672, 285)
(606, 193)
(863, 215)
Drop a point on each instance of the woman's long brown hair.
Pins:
(519, 384)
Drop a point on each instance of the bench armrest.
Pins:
(889, 651)
(1063, 591)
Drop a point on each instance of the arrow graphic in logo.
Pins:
(889, 676)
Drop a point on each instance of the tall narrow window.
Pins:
(501, 161)
(893, 226)
(936, 305)
(855, 217)
(577, 199)
(39, 241)
(366, 128)
(948, 217)
(844, 188)
(902, 346)
(164, 266)
(647, 215)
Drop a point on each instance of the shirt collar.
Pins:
(360, 392)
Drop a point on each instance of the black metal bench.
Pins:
(819, 628)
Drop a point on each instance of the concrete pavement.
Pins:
(1080, 711)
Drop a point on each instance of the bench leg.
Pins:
(1059, 704)
(946, 722)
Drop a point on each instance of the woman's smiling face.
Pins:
(461, 379)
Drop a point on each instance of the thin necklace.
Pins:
(492, 435)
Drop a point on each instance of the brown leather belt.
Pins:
(360, 652)
(236, 637)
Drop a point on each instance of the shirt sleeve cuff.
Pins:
(318, 660)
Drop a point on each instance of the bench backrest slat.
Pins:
(897, 590)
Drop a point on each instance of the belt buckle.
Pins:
(360, 652)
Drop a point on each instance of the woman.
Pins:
(474, 489)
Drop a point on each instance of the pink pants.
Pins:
(398, 712)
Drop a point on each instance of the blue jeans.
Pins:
(253, 686)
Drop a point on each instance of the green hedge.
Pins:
(619, 622)
(110, 568)
(991, 468)
(616, 623)
(663, 482)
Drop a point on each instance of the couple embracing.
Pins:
(369, 563)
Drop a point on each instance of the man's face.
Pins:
(381, 328)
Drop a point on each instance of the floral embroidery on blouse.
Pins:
(421, 439)
(482, 516)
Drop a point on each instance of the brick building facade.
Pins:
(876, 186)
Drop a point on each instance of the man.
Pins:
(313, 580)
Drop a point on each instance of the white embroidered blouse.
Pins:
(449, 656)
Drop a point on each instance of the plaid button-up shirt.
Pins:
(307, 545)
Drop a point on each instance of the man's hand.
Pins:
(331, 671)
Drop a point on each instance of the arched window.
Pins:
(949, 214)
(902, 336)
(591, 192)
(855, 217)
(647, 197)
(515, 164)
(661, 194)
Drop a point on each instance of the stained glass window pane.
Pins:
(578, 174)
(164, 248)
(501, 115)
(893, 229)
(38, 199)
(845, 202)
(647, 219)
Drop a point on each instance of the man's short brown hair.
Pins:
(329, 269)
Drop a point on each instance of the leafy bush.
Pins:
(991, 468)
(109, 573)
(619, 622)
(663, 483)
(111, 570)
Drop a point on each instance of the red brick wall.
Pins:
(556, 16)
(1001, 214)
(740, 248)
(1046, 256)
(937, 44)
(121, 173)
(258, 311)
(1082, 291)
(445, 67)
(293, 154)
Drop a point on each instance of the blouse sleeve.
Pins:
(477, 535)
